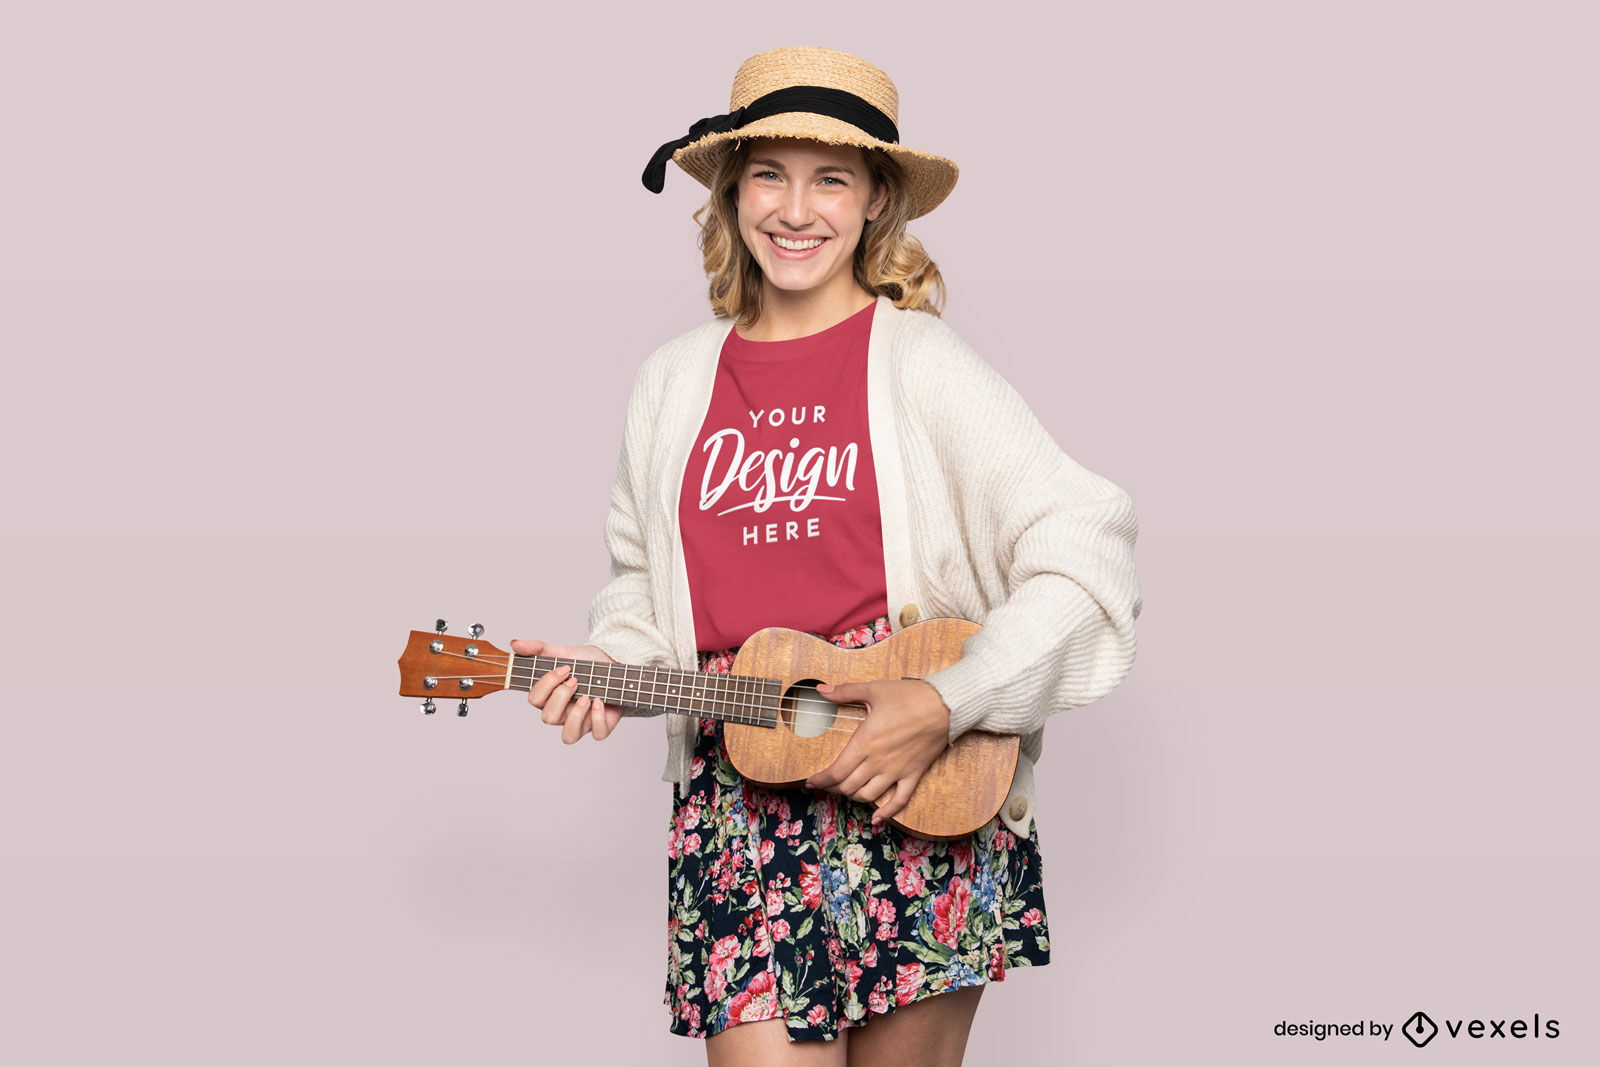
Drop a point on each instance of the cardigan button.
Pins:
(1019, 808)
(908, 615)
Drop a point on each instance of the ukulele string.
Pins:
(499, 679)
(526, 674)
(845, 713)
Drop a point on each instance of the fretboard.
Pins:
(653, 690)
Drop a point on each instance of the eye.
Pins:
(831, 178)
(764, 174)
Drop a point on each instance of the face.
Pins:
(802, 205)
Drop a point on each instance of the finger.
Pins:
(539, 692)
(600, 720)
(577, 723)
(527, 648)
(609, 715)
(847, 693)
(834, 773)
(877, 787)
(556, 709)
(592, 714)
(894, 804)
(855, 780)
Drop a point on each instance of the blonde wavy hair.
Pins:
(888, 260)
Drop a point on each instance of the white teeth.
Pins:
(796, 246)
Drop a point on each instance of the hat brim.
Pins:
(929, 178)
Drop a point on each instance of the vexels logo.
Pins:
(1419, 1029)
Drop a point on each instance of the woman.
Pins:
(826, 455)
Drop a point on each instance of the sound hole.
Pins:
(805, 711)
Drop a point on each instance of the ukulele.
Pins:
(778, 729)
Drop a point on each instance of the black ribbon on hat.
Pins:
(817, 99)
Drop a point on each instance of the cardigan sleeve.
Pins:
(622, 617)
(1051, 545)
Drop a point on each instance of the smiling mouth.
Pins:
(789, 244)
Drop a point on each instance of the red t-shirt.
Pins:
(779, 503)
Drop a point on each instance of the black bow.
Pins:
(655, 172)
(817, 99)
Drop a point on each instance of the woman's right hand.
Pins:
(552, 693)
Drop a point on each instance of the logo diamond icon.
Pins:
(1419, 1029)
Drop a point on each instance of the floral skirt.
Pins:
(784, 903)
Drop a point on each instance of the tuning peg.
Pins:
(462, 710)
(476, 629)
(427, 707)
(439, 626)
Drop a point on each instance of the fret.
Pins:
(727, 697)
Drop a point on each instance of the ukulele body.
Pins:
(962, 790)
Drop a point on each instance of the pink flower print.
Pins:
(780, 929)
(1032, 917)
(827, 809)
(908, 979)
(950, 912)
(811, 885)
(723, 953)
(913, 851)
(817, 1015)
(716, 983)
(757, 1001)
(878, 1001)
(909, 881)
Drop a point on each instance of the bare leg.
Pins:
(929, 1033)
(767, 1044)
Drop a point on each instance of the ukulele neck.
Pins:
(654, 690)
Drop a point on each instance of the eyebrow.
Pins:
(820, 170)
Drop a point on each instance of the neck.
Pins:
(786, 315)
(654, 690)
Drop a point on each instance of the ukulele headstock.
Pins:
(436, 664)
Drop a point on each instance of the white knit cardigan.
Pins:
(984, 518)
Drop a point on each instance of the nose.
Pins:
(795, 209)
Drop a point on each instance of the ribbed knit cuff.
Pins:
(628, 647)
(963, 686)
(985, 689)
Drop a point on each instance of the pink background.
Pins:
(318, 321)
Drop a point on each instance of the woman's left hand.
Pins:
(907, 729)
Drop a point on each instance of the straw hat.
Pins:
(814, 93)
